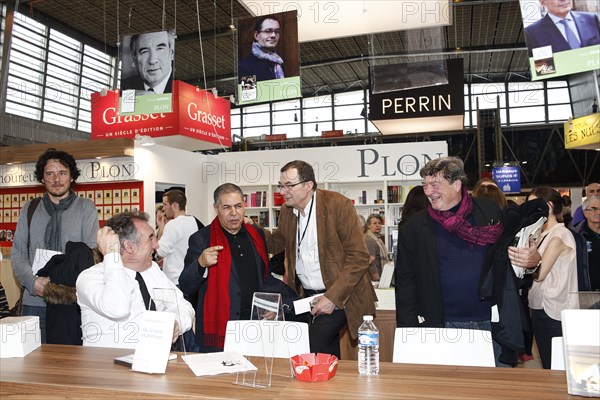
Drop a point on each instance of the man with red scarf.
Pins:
(441, 251)
(226, 263)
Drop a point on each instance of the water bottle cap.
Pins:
(368, 318)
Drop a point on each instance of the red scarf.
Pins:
(216, 300)
(457, 223)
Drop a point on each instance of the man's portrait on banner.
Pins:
(147, 62)
(268, 48)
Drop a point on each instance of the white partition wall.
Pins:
(179, 167)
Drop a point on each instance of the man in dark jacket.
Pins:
(441, 253)
(226, 263)
(590, 230)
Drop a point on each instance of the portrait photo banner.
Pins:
(146, 84)
(562, 37)
(268, 58)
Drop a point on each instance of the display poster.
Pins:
(147, 73)
(268, 58)
(562, 37)
(508, 178)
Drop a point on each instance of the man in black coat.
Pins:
(226, 263)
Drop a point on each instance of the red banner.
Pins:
(197, 114)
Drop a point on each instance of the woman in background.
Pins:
(415, 201)
(556, 275)
(376, 246)
(492, 192)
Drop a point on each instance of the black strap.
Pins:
(148, 302)
(32, 207)
(18, 308)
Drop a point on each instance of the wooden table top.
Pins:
(55, 372)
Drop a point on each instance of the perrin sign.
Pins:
(197, 114)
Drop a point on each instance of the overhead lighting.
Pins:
(144, 140)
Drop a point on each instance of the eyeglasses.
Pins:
(592, 209)
(271, 31)
(289, 186)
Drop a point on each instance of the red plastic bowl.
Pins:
(313, 367)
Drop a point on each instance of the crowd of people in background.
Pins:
(455, 250)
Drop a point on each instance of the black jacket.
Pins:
(191, 281)
(251, 65)
(500, 284)
(63, 316)
(418, 285)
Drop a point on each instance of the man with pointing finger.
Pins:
(226, 263)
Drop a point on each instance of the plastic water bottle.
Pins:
(368, 347)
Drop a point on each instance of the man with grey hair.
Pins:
(441, 252)
(152, 58)
(590, 230)
(593, 189)
(114, 294)
(225, 264)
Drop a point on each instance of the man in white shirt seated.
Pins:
(114, 294)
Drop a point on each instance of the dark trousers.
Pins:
(324, 332)
(39, 312)
(544, 329)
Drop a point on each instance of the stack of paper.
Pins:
(522, 241)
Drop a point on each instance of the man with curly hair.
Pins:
(59, 217)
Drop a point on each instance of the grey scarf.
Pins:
(52, 239)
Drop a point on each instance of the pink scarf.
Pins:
(457, 223)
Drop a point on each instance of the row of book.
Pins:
(262, 218)
(256, 199)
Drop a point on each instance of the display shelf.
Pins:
(110, 198)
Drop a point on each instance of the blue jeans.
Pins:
(39, 312)
(480, 326)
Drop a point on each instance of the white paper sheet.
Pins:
(385, 280)
(302, 306)
(42, 256)
(225, 362)
(156, 334)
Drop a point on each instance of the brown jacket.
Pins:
(343, 255)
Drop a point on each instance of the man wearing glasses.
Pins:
(263, 62)
(593, 189)
(590, 230)
(326, 256)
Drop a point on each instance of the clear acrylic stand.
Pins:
(265, 307)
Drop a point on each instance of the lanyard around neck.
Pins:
(301, 238)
